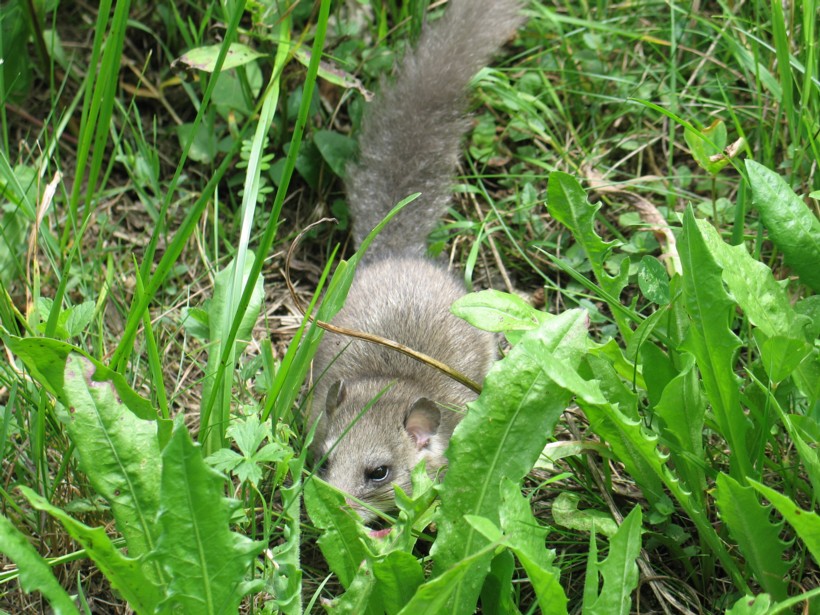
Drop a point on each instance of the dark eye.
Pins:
(378, 474)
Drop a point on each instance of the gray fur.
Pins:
(409, 143)
(410, 136)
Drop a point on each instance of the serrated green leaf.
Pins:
(358, 599)
(619, 570)
(287, 569)
(598, 370)
(415, 511)
(792, 226)
(758, 538)
(225, 460)
(517, 410)
(35, 573)
(205, 561)
(567, 202)
(765, 303)
(124, 573)
(712, 342)
(78, 317)
(809, 456)
(493, 310)
(635, 447)
(435, 595)
(806, 523)
(638, 451)
(249, 433)
(681, 411)
(340, 540)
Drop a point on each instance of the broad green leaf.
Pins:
(712, 342)
(707, 146)
(78, 317)
(567, 202)
(497, 591)
(758, 538)
(204, 146)
(527, 539)
(493, 310)
(523, 396)
(619, 570)
(658, 368)
(792, 226)
(751, 605)
(566, 514)
(653, 280)
(35, 573)
(754, 288)
(336, 149)
(331, 73)
(205, 561)
(124, 573)
(626, 368)
(118, 452)
(204, 58)
(340, 540)
(806, 523)
(46, 360)
(398, 576)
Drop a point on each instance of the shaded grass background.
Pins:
(147, 166)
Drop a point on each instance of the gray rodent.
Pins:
(409, 142)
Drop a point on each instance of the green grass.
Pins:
(653, 425)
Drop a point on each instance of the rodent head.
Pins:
(383, 446)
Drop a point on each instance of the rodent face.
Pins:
(382, 447)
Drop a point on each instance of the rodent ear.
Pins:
(422, 421)
(335, 396)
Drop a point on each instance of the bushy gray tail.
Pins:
(410, 137)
